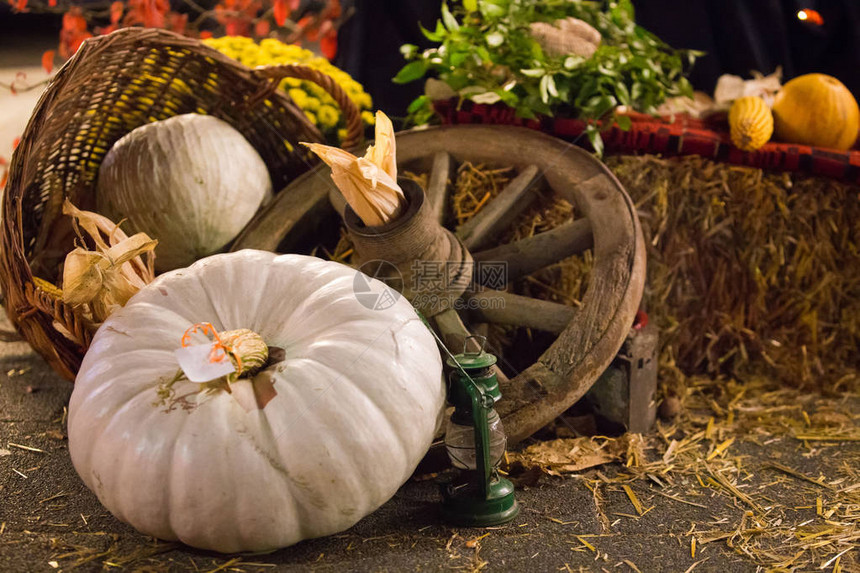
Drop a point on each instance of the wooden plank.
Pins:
(501, 212)
(439, 184)
(529, 255)
(501, 307)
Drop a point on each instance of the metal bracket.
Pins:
(625, 392)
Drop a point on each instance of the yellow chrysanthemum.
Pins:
(318, 106)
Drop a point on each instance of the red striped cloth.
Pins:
(677, 136)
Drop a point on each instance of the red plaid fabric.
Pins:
(677, 136)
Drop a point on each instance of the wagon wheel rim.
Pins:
(590, 335)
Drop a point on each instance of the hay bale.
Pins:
(750, 271)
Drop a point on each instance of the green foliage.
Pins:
(487, 54)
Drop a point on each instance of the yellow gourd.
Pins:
(816, 109)
(750, 122)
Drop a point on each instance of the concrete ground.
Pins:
(50, 521)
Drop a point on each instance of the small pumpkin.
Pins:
(816, 109)
(316, 439)
(191, 181)
(750, 123)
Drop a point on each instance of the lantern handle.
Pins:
(478, 388)
(480, 351)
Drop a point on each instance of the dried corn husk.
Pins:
(104, 279)
(369, 183)
(730, 88)
(565, 37)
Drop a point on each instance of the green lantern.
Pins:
(475, 440)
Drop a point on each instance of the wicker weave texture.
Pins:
(114, 84)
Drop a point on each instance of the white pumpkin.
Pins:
(191, 181)
(359, 393)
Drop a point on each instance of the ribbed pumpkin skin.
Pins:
(816, 109)
(750, 122)
(191, 181)
(359, 394)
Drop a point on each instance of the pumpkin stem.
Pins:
(246, 349)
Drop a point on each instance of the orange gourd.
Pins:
(816, 109)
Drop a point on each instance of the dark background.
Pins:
(738, 35)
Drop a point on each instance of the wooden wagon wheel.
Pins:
(588, 336)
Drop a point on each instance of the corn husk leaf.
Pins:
(369, 183)
(730, 87)
(384, 150)
(104, 279)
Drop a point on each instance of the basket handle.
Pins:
(274, 74)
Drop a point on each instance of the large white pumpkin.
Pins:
(359, 394)
(191, 181)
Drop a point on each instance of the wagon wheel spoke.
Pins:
(439, 183)
(526, 256)
(498, 215)
(501, 307)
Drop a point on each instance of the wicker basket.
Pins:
(114, 84)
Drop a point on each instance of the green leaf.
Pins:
(624, 122)
(622, 93)
(432, 36)
(492, 10)
(411, 72)
(470, 5)
(448, 19)
(571, 62)
(550, 86)
(495, 39)
(483, 54)
(487, 98)
(594, 137)
(624, 8)
(418, 103)
(457, 58)
(544, 88)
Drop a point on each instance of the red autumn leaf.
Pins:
(3, 179)
(76, 43)
(116, 10)
(205, 35)
(280, 11)
(52, 3)
(328, 45)
(262, 28)
(21, 6)
(107, 29)
(236, 27)
(178, 22)
(73, 21)
(48, 61)
(15, 143)
(332, 10)
(294, 4)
